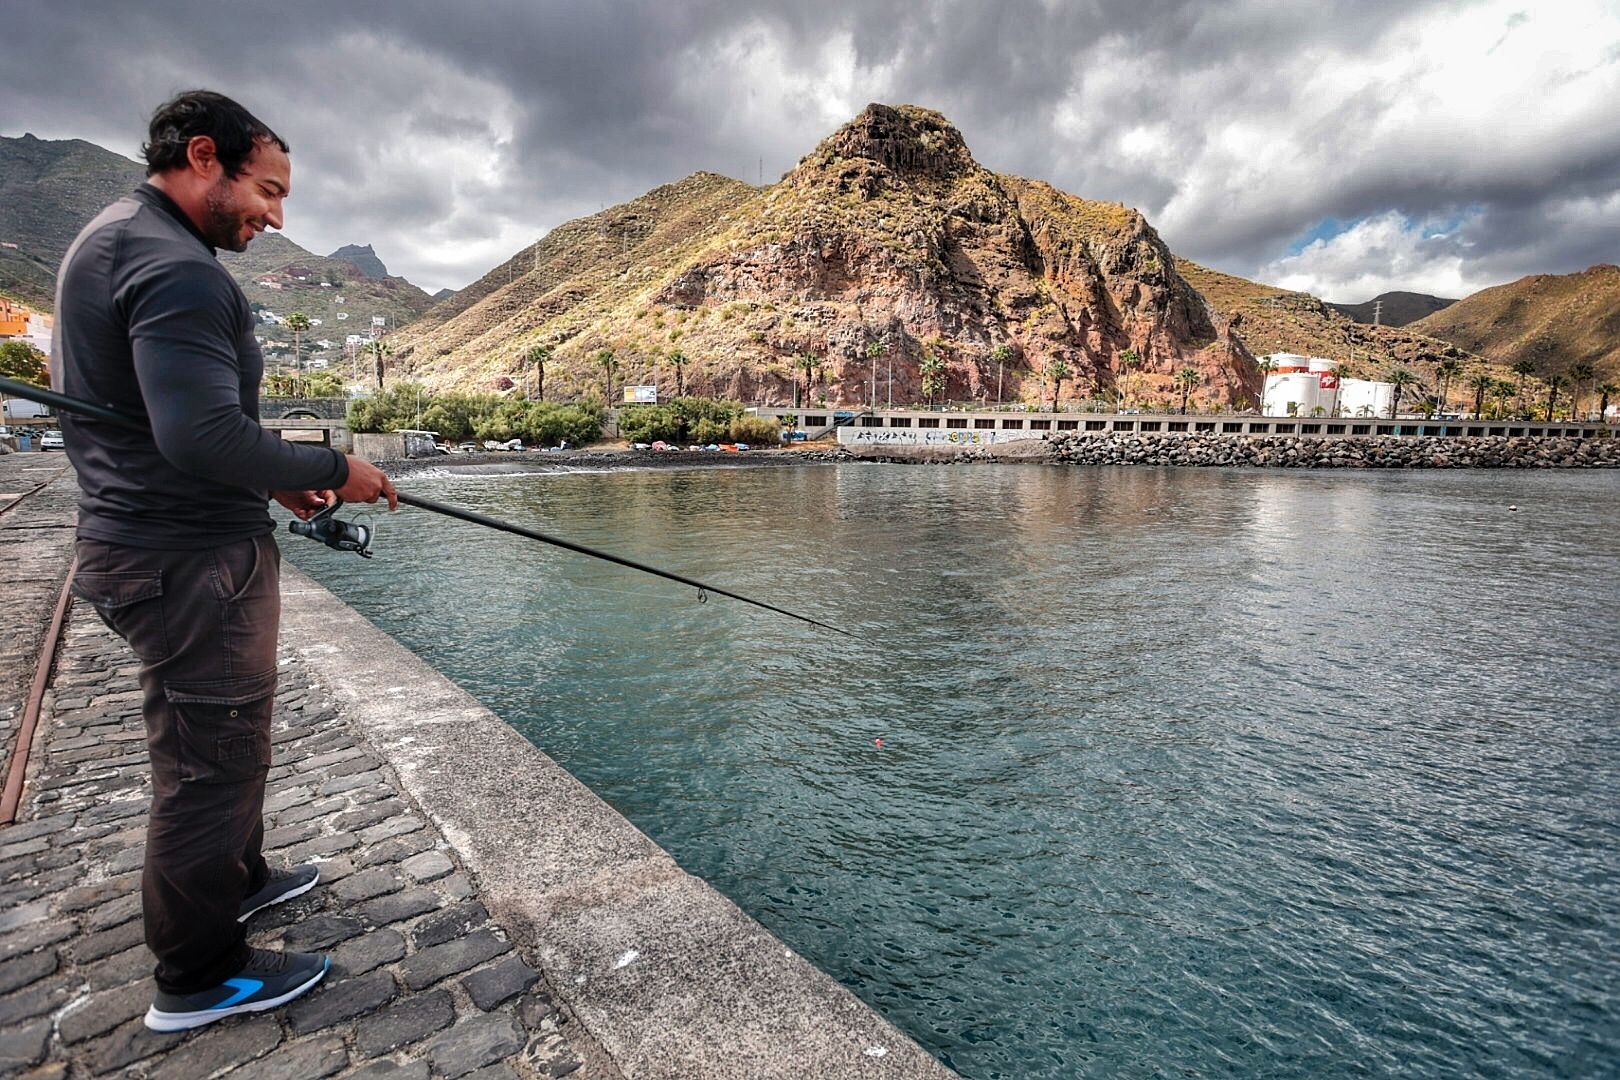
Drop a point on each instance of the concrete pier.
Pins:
(488, 916)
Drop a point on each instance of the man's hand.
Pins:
(367, 483)
(304, 504)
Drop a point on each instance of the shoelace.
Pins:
(267, 962)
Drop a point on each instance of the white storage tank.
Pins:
(1295, 388)
(1364, 398)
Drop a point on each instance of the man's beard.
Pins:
(223, 222)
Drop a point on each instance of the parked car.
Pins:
(467, 448)
(51, 440)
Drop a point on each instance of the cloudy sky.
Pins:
(1343, 148)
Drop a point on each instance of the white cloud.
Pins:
(1362, 261)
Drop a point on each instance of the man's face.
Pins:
(239, 208)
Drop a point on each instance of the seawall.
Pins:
(487, 913)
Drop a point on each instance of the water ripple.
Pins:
(1183, 773)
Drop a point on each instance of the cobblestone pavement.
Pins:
(423, 982)
(36, 542)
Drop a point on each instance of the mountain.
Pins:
(363, 258)
(49, 189)
(279, 277)
(442, 294)
(888, 236)
(1552, 320)
(1394, 308)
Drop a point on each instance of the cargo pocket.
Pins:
(120, 598)
(223, 727)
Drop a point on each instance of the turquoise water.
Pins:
(1251, 773)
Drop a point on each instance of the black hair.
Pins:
(235, 131)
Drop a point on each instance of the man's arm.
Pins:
(182, 327)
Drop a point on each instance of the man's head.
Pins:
(222, 165)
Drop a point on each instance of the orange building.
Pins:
(13, 319)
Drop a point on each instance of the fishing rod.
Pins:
(347, 536)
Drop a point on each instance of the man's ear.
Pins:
(203, 156)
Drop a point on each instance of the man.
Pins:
(175, 546)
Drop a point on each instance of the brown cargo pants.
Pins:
(203, 625)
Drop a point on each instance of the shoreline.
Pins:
(1111, 448)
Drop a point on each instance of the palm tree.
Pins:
(677, 360)
(809, 363)
(1481, 384)
(1400, 379)
(1579, 372)
(932, 370)
(1187, 378)
(1555, 383)
(1128, 359)
(1444, 372)
(1000, 354)
(298, 323)
(1502, 392)
(605, 360)
(1057, 371)
(1608, 390)
(380, 351)
(537, 355)
(1523, 369)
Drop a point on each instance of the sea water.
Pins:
(1182, 772)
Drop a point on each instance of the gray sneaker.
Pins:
(283, 885)
(269, 979)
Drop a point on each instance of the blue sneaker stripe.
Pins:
(245, 988)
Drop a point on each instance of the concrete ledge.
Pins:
(668, 976)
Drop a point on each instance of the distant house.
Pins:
(22, 323)
(267, 283)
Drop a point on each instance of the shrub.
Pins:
(710, 431)
(650, 423)
(756, 431)
(458, 416)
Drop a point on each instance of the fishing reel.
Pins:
(335, 534)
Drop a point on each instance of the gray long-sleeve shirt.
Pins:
(149, 323)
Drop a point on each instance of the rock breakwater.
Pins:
(1276, 451)
(1281, 451)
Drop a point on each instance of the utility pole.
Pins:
(1378, 312)
(999, 366)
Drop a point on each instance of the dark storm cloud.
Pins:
(451, 136)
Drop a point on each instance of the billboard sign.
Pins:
(641, 395)
(1327, 380)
